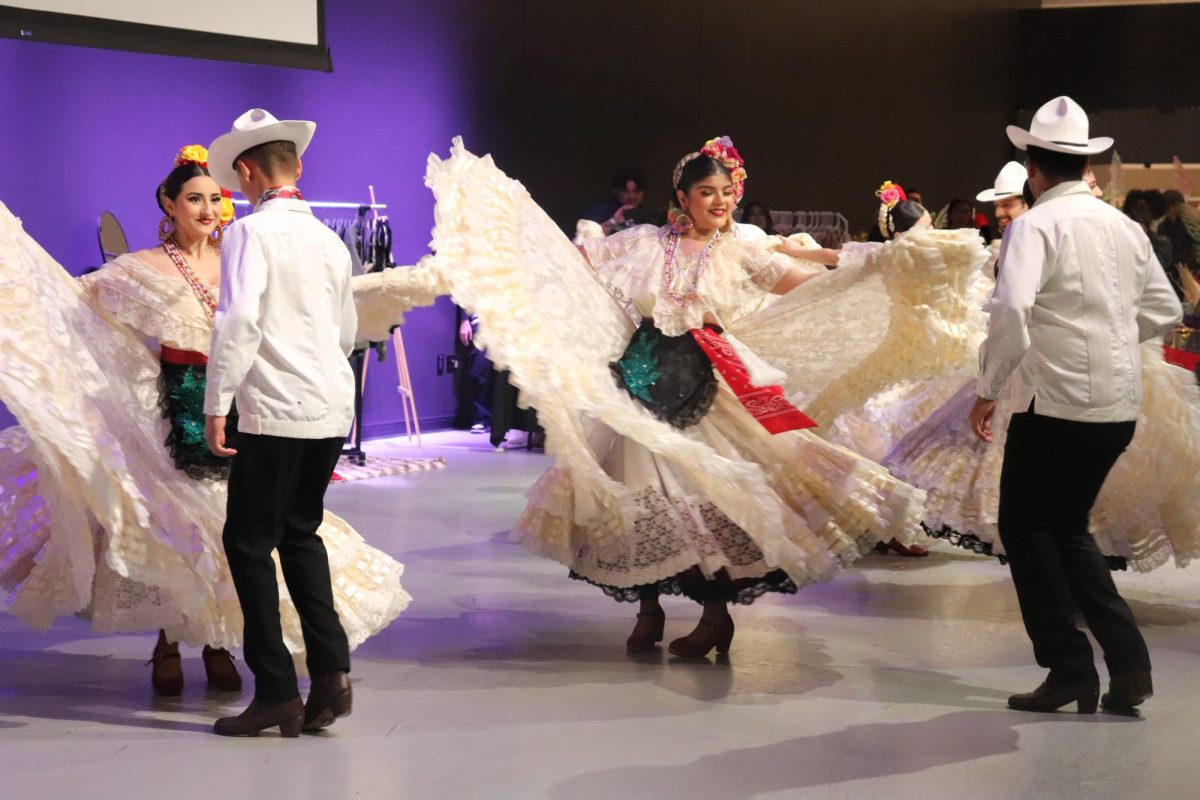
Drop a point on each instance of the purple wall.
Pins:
(86, 130)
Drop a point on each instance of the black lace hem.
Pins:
(969, 541)
(181, 402)
(669, 375)
(693, 585)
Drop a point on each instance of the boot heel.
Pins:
(1086, 704)
(658, 632)
(290, 728)
(341, 705)
(725, 639)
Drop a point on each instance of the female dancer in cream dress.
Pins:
(1148, 512)
(661, 374)
(110, 503)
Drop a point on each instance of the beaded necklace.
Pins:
(684, 299)
(198, 288)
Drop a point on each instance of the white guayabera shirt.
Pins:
(285, 324)
(1079, 288)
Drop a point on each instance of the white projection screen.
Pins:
(288, 33)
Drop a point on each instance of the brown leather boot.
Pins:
(647, 632)
(222, 674)
(329, 698)
(704, 637)
(288, 715)
(167, 675)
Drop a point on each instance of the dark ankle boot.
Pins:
(647, 632)
(1051, 696)
(222, 674)
(1127, 691)
(167, 674)
(704, 637)
(288, 715)
(329, 697)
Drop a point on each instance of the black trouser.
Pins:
(276, 501)
(1053, 470)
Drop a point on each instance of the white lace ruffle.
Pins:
(119, 531)
(805, 504)
(383, 298)
(158, 306)
(889, 313)
(734, 284)
(1148, 510)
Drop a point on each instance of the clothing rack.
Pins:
(377, 254)
(408, 398)
(830, 228)
(330, 204)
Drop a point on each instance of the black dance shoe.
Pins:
(1127, 691)
(1053, 696)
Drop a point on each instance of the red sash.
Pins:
(766, 404)
(1181, 358)
(183, 358)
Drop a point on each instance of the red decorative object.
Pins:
(766, 404)
(1181, 358)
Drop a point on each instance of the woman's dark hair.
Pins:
(1157, 203)
(1058, 166)
(1131, 199)
(172, 185)
(697, 170)
(904, 215)
(755, 204)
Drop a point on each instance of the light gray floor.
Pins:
(504, 679)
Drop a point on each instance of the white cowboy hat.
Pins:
(1009, 183)
(1062, 126)
(251, 129)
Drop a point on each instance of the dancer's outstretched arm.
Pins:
(382, 298)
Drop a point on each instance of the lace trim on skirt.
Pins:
(969, 541)
(693, 585)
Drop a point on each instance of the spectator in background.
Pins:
(961, 214)
(757, 214)
(1140, 206)
(916, 196)
(1174, 228)
(628, 187)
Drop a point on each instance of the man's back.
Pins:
(1078, 290)
(290, 279)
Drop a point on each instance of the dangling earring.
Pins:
(166, 228)
(214, 241)
(680, 222)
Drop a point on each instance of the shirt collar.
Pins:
(284, 204)
(1062, 189)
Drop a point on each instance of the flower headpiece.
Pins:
(721, 149)
(198, 155)
(889, 195)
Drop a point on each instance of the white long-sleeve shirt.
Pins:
(1079, 287)
(284, 326)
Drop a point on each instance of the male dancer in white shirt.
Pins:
(1078, 290)
(285, 324)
